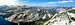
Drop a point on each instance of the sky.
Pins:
(49, 2)
(39, 2)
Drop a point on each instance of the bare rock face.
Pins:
(65, 18)
(24, 14)
(62, 19)
(41, 16)
(28, 15)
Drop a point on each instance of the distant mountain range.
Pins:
(17, 8)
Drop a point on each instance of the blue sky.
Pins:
(48, 2)
(39, 2)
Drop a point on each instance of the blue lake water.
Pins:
(4, 22)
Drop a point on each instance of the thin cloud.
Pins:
(59, 3)
(65, 1)
(8, 2)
